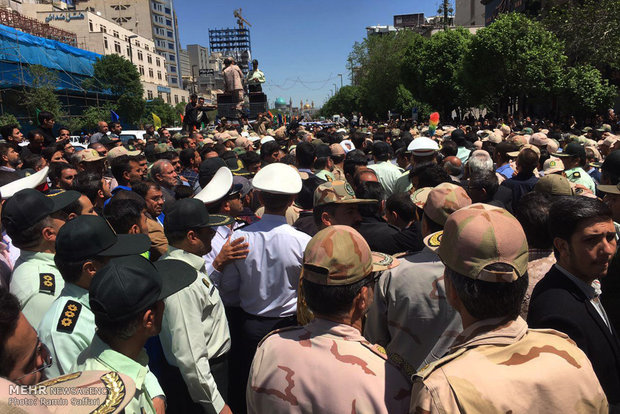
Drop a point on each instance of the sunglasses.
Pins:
(44, 351)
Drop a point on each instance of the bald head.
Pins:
(453, 165)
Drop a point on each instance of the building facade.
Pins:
(469, 13)
(97, 34)
(153, 19)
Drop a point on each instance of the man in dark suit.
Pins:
(567, 298)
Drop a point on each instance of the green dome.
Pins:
(280, 102)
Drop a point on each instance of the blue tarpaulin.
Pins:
(18, 49)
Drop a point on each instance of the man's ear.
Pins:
(135, 229)
(562, 246)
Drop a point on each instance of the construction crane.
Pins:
(240, 19)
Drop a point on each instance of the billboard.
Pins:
(494, 7)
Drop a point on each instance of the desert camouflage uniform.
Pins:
(410, 315)
(324, 367)
(540, 262)
(504, 367)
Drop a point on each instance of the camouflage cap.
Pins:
(444, 200)
(339, 192)
(90, 155)
(478, 236)
(554, 184)
(161, 148)
(339, 255)
(553, 165)
(420, 196)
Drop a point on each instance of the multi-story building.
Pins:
(100, 35)
(153, 19)
(469, 13)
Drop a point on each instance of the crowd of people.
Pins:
(362, 267)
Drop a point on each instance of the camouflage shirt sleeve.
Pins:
(422, 401)
(376, 327)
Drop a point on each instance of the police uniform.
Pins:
(195, 336)
(36, 282)
(67, 329)
(578, 175)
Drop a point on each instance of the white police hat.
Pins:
(267, 139)
(347, 145)
(423, 146)
(217, 188)
(30, 181)
(277, 178)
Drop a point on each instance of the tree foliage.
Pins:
(8, 119)
(41, 95)
(585, 90)
(118, 76)
(513, 57)
(345, 101)
(169, 114)
(590, 31)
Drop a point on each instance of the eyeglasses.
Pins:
(44, 351)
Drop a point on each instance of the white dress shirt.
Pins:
(267, 280)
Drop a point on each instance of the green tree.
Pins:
(167, 113)
(585, 92)
(514, 57)
(8, 119)
(41, 95)
(345, 101)
(431, 69)
(590, 31)
(120, 77)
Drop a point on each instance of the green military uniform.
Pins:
(36, 283)
(99, 356)
(403, 184)
(194, 331)
(579, 176)
(67, 329)
(325, 175)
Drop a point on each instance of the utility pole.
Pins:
(335, 88)
(340, 74)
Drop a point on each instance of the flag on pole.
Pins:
(114, 116)
(36, 115)
(156, 121)
(181, 115)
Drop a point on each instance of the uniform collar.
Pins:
(75, 292)
(324, 327)
(27, 255)
(496, 331)
(191, 259)
(137, 370)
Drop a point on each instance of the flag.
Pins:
(181, 115)
(280, 119)
(156, 121)
(36, 115)
(270, 114)
(114, 116)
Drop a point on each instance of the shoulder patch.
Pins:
(209, 286)
(47, 283)
(376, 349)
(424, 372)
(404, 366)
(576, 174)
(288, 328)
(69, 316)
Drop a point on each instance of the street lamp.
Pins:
(130, 49)
(194, 78)
(340, 74)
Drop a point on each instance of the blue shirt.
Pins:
(505, 170)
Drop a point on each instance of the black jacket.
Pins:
(558, 303)
(380, 235)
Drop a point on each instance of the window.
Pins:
(168, 98)
(168, 22)
(149, 94)
(129, 52)
(167, 10)
(173, 69)
(105, 42)
(149, 59)
(117, 47)
(102, 29)
(119, 7)
(121, 20)
(157, 62)
(141, 69)
(169, 34)
(146, 47)
(140, 55)
(150, 72)
(159, 74)
(176, 99)
(172, 58)
(173, 80)
(159, 95)
(115, 33)
(90, 25)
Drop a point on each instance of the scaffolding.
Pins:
(13, 19)
(233, 43)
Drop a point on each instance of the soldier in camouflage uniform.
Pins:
(327, 366)
(497, 364)
(410, 315)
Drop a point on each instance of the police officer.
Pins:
(267, 280)
(422, 150)
(574, 158)
(327, 366)
(195, 335)
(410, 315)
(497, 357)
(83, 246)
(32, 221)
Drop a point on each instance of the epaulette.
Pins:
(393, 358)
(376, 349)
(47, 283)
(576, 174)
(209, 285)
(288, 328)
(69, 316)
(425, 371)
